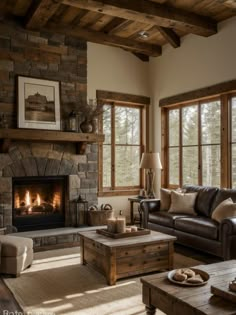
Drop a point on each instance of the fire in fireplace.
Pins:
(39, 202)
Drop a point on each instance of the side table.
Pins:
(132, 201)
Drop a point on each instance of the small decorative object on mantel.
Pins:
(86, 126)
(72, 121)
(91, 111)
(3, 121)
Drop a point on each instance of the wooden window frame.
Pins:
(126, 100)
(223, 91)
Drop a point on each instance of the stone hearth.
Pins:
(40, 159)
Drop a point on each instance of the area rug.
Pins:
(56, 283)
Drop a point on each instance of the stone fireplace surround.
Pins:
(48, 159)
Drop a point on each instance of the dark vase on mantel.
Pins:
(86, 126)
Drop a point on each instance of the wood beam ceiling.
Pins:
(151, 13)
(111, 40)
(40, 13)
(228, 3)
(170, 36)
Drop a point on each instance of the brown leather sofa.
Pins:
(200, 232)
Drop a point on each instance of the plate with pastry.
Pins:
(190, 277)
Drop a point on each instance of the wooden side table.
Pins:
(132, 201)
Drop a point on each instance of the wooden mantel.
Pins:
(81, 139)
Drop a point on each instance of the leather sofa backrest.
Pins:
(205, 198)
(223, 194)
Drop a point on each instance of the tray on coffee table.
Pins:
(223, 291)
(140, 231)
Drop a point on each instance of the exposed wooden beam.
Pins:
(105, 39)
(120, 27)
(150, 13)
(228, 3)
(122, 97)
(40, 13)
(214, 90)
(170, 36)
(112, 24)
(142, 57)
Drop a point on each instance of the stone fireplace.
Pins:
(26, 165)
(45, 56)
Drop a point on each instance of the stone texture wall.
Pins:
(45, 56)
(37, 159)
(42, 55)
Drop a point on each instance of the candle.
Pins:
(120, 225)
(128, 229)
(134, 228)
(111, 225)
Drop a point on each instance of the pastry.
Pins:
(179, 276)
(189, 272)
(196, 279)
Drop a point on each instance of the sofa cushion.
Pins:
(182, 203)
(222, 195)
(13, 246)
(164, 218)
(224, 210)
(203, 227)
(205, 198)
(165, 196)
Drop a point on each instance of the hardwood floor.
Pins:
(7, 300)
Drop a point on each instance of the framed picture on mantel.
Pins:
(38, 103)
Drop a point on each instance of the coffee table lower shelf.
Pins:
(121, 258)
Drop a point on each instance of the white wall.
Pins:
(199, 62)
(113, 69)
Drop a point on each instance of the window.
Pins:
(199, 137)
(233, 140)
(194, 144)
(124, 127)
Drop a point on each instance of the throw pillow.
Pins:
(225, 209)
(183, 202)
(165, 197)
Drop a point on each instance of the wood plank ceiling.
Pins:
(139, 26)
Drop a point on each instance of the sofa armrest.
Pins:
(228, 237)
(147, 206)
(228, 226)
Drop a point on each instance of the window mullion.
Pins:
(180, 149)
(113, 145)
(199, 145)
(225, 147)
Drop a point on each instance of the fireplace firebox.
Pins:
(39, 202)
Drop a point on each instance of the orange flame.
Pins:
(38, 200)
(27, 198)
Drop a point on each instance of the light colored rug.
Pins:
(56, 283)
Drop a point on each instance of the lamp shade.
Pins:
(150, 161)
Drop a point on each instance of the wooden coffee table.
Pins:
(120, 258)
(173, 299)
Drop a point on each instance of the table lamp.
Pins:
(149, 162)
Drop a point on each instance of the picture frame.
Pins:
(38, 103)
